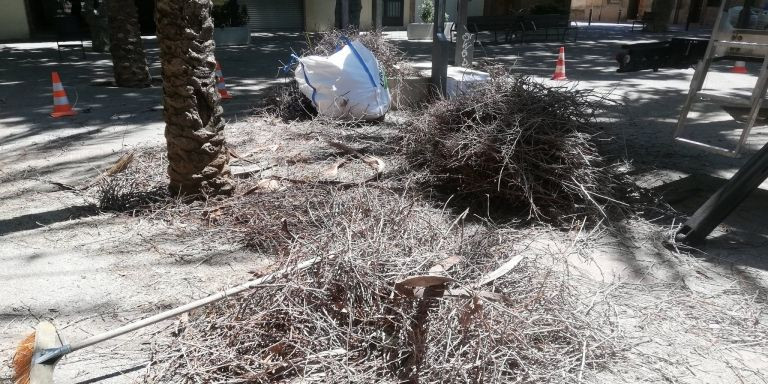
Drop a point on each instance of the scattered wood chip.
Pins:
(345, 148)
(444, 265)
(424, 281)
(467, 294)
(374, 162)
(63, 186)
(333, 171)
(237, 156)
(265, 185)
(245, 172)
(501, 271)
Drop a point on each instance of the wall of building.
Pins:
(603, 11)
(13, 20)
(366, 15)
(320, 15)
(509, 7)
(411, 11)
(475, 8)
(607, 11)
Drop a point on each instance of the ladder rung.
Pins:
(727, 100)
(738, 44)
(708, 147)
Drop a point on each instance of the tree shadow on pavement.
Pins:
(41, 219)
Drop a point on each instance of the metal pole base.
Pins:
(725, 200)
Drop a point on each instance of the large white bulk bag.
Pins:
(348, 85)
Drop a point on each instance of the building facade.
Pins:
(13, 20)
(25, 19)
(700, 12)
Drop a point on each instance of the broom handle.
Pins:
(188, 307)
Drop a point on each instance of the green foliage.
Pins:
(229, 14)
(427, 11)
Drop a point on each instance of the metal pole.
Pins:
(618, 19)
(378, 13)
(678, 6)
(465, 41)
(600, 14)
(589, 21)
(344, 14)
(439, 51)
(726, 199)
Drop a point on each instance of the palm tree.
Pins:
(194, 130)
(128, 61)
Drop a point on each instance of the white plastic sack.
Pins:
(346, 85)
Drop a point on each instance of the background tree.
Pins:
(128, 61)
(194, 130)
(662, 11)
(95, 13)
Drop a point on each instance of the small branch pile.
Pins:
(359, 314)
(138, 185)
(286, 102)
(519, 143)
(390, 58)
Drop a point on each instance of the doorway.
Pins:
(633, 9)
(393, 13)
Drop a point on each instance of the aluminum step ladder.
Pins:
(758, 52)
(752, 44)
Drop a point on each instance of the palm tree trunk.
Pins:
(194, 130)
(128, 61)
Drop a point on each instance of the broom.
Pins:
(39, 352)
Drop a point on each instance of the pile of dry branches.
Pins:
(518, 143)
(402, 293)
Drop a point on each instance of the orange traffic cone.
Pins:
(61, 105)
(560, 66)
(220, 85)
(739, 67)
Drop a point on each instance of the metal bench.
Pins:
(643, 22)
(560, 25)
(69, 33)
(495, 24)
